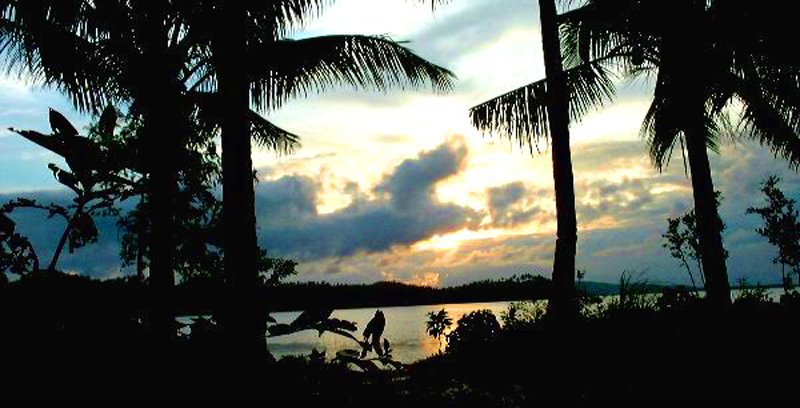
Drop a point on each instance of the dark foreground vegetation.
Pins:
(634, 349)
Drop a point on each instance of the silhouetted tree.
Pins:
(198, 247)
(473, 330)
(563, 300)
(781, 227)
(438, 324)
(683, 241)
(541, 110)
(110, 51)
(723, 58)
(145, 54)
(17, 254)
(97, 176)
(252, 61)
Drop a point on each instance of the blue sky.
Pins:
(400, 186)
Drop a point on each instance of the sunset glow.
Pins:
(402, 183)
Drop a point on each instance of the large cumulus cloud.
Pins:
(402, 210)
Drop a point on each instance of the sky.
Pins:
(399, 186)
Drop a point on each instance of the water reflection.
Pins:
(405, 329)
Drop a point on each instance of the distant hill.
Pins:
(200, 297)
(600, 288)
(294, 296)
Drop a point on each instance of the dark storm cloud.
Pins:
(405, 211)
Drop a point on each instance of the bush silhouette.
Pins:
(475, 329)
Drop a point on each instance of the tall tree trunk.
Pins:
(712, 253)
(161, 240)
(244, 322)
(160, 97)
(562, 301)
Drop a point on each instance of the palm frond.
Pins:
(267, 135)
(266, 21)
(33, 40)
(610, 30)
(285, 15)
(521, 115)
(291, 69)
(764, 120)
(664, 127)
(209, 113)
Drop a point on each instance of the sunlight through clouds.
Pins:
(345, 204)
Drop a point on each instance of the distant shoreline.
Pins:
(203, 297)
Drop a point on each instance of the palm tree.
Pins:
(544, 109)
(104, 66)
(438, 325)
(139, 53)
(723, 58)
(250, 61)
(562, 302)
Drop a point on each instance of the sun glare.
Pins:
(452, 241)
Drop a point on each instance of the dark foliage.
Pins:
(781, 228)
(475, 329)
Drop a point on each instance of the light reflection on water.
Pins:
(405, 329)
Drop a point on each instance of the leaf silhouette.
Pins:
(60, 125)
(108, 121)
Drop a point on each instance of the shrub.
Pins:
(523, 315)
(474, 329)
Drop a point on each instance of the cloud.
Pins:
(471, 28)
(622, 206)
(405, 210)
(287, 200)
(623, 199)
(411, 185)
(509, 205)
(401, 210)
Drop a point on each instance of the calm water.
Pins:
(405, 329)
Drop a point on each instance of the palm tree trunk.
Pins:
(562, 301)
(243, 321)
(160, 95)
(712, 253)
(162, 279)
